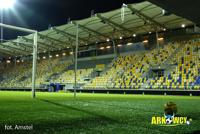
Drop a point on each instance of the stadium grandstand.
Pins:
(141, 48)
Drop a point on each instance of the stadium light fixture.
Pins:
(6, 4)
(101, 48)
(160, 39)
(145, 41)
(108, 47)
(183, 25)
(128, 44)
(8, 61)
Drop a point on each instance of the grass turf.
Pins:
(93, 113)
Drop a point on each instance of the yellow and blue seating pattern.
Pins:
(127, 71)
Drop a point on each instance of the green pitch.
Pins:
(93, 113)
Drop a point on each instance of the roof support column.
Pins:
(157, 41)
(75, 61)
(34, 63)
(114, 48)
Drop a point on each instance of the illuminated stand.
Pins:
(35, 37)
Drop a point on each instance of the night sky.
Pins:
(39, 14)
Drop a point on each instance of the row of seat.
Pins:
(131, 71)
(69, 76)
(126, 71)
(184, 75)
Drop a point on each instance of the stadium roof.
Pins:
(139, 18)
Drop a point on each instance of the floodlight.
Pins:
(8, 61)
(5, 4)
(183, 25)
(108, 47)
(160, 39)
(145, 41)
(128, 44)
(101, 48)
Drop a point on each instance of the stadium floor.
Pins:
(93, 113)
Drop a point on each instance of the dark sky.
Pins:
(38, 14)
